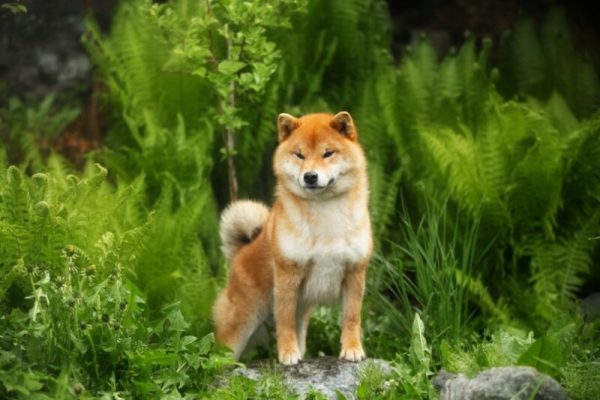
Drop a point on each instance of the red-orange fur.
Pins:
(270, 275)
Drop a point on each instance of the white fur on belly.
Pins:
(323, 282)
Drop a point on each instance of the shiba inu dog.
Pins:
(312, 247)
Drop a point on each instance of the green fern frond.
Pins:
(569, 73)
(457, 158)
(497, 309)
(476, 81)
(9, 276)
(384, 194)
(560, 114)
(582, 176)
(559, 268)
(528, 58)
(540, 63)
(450, 85)
(132, 61)
(536, 172)
(15, 198)
(258, 141)
(416, 79)
(14, 244)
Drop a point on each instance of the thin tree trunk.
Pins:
(233, 183)
(230, 141)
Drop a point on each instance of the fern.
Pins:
(527, 58)
(417, 78)
(383, 200)
(28, 129)
(16, 201)
(132, 63)
(559, 268)
(159, 125)
(582, 177)
(522, 164)
(49, 214)
(497, 309)
(375, 135)
(539, 63)
(36, 220)
(514, 164)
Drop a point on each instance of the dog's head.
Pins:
(318, 155)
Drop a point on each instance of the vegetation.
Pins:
(484, 168)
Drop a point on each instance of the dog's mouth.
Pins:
(318, 188)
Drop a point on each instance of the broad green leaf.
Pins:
(339, 395)
(419, 350)
(15, 8)
(206, 343)
(187, 340)
(545, 355)
(178, 322)
(230, 67)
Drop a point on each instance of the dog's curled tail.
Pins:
(241, 222)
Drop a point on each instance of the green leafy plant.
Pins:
(424, 276)
(28, 130)
(375, 382)
(14, 7)
(537, 61)
(73, 317)
(92, 329)
(270, 385)
(40, 216)
(511, 165)
(226, 43)
(415, 369)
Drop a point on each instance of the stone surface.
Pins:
(326, 375)
(517, 383)
(41, 51)
(591, 307)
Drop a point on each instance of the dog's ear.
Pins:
(342, 122)
(286, 124)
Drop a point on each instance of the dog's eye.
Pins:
(299, 155)
(328, 153)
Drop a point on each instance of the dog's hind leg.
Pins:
(236, 323)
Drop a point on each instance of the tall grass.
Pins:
(422, 274)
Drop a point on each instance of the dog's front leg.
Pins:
(353, 290)
(287, 280)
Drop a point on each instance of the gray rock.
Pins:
(41, 51)
(591, 307)
(518, 383)
(326, 375)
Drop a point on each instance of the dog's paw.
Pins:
(354, 353)
(290, 356)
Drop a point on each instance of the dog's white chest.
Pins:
(323, 280)
(326, 247)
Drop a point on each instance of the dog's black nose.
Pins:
(311, 177)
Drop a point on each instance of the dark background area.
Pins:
(41, 53)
